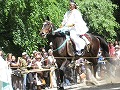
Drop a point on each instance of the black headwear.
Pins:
(73, 2)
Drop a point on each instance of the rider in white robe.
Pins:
(74, 22)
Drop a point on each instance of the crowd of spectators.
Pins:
(114, 52)
(39, 60)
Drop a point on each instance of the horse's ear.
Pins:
(47, 18)
(43, 19)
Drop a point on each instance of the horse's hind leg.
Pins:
(58, 77)
(61, 79)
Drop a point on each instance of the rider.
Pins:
(74, 23)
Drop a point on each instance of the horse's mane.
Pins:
(57, 34)
(53, 26)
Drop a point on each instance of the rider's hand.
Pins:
(61, 26)
(71, 25)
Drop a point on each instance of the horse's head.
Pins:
(46, 28)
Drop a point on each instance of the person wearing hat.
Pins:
(74, 23)
(23, 67)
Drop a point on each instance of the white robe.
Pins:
(5, 75)
(75, 17)
(80, 28)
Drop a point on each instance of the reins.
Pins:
(67, 38)
(65, 41)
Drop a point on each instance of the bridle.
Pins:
(48, 29)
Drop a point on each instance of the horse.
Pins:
(63, 46)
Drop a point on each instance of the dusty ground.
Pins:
(109, 82)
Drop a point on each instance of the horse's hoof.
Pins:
(60, 88)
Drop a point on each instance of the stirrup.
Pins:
(79, 53)
(88, 47)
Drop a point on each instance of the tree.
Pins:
(99, 15)
(21, 20)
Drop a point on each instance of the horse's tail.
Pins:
(104, 46)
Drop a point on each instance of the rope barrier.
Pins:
(80, 57)
(46, 69)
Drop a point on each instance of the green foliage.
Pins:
(99, 15)
(21, 20)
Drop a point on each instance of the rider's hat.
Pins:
(73, 3)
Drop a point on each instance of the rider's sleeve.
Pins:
(78, 18)
(64, 19)
(80, 24)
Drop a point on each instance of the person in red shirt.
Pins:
(111, 49)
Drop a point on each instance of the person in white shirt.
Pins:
(74, 23)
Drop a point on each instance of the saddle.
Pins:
(71, 45)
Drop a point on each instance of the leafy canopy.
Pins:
(21, 20)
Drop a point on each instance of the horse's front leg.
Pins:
(60, 75)
(95, 67)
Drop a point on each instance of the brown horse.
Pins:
(64, 47)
